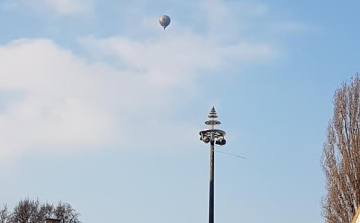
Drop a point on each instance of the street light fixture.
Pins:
(214, 136)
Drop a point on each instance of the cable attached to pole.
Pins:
(229, 154)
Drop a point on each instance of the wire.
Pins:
(229, 154)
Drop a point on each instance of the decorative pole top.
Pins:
(212, 134)
(213, 115)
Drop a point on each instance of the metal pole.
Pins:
(213, 136)
(211, 202)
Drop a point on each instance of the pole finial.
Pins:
(212, 113)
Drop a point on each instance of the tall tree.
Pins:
(341, 155)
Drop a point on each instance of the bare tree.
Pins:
(26, 211)
(66, 214)
(4, 214)
(46, 211)
(341, 155)
(31, 211)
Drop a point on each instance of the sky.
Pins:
(101, 108)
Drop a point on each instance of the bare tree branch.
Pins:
(341, 155)
(4, 214)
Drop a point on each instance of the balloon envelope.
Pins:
(164, 21)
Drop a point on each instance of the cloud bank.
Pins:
(67, 101)
(54, 100)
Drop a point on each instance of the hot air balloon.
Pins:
(164, 21)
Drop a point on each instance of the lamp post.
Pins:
(212, 136)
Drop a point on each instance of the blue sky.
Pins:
(100, 108)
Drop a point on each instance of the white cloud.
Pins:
(121, 92)
(56, 109)
(68, 102)
(73, 7)
(162, 57)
